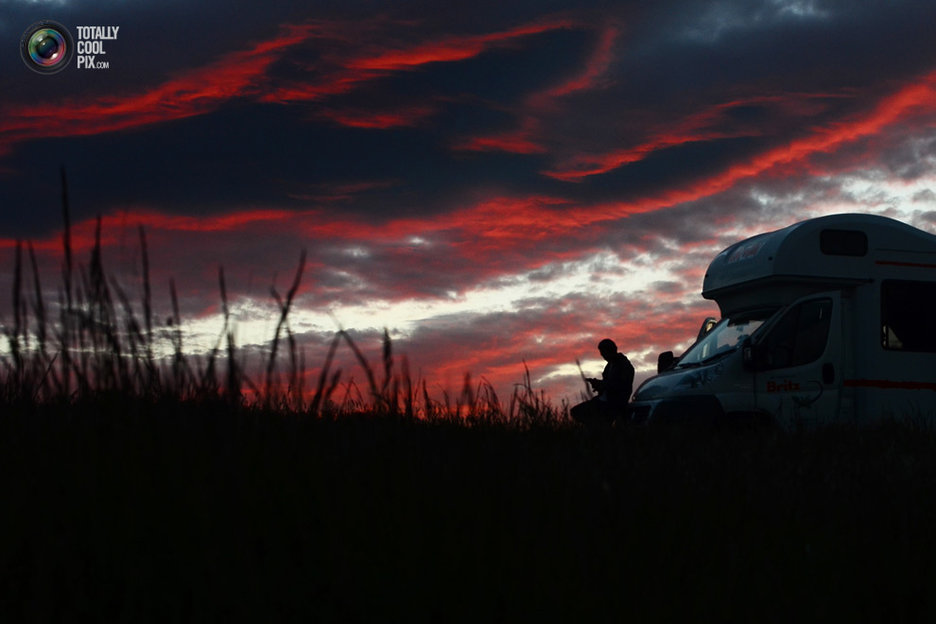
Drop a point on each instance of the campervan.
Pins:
(830, 320)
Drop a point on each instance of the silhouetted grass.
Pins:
(95, 342)
(138, 487)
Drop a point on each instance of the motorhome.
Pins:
(830, 320)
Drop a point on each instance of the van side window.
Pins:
(843, 242)
(908, 322)
(800, 336)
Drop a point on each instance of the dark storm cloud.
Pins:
(909, 156)
(196, 143)
(395, 105)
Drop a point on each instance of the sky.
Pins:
(499, 185)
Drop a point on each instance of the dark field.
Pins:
(187, 512)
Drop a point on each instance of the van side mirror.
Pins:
(753, 355)
(665, 361)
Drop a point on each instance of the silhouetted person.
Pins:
(614, 389)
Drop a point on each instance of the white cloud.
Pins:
(721, 18)
(800, 8)
(600, 275)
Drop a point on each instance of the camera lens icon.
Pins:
(47, 47)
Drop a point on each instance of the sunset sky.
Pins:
(495, 182)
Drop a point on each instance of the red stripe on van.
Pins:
(890, 385)
(918, 265)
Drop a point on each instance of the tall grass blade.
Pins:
(284, 313)
(371, 381)
(319, 397)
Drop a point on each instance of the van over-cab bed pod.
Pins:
(830, 320)
(776, 268)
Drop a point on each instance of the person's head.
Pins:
(607, 349)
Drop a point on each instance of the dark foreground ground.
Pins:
(116, 514)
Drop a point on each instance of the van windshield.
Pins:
(724, 338)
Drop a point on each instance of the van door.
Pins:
(799, 377)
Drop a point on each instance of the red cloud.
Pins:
(696, 128)
(448, 49)
(913, 99)
(311, 91)
(507, 218)
(345, 72)
(379, 119)
(516, 142)
(329, 193)
(83, 233)
(595, 67)
(527, 139)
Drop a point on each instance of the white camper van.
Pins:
(831, 320)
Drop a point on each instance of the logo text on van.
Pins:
(783, 386)
(745, 252)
